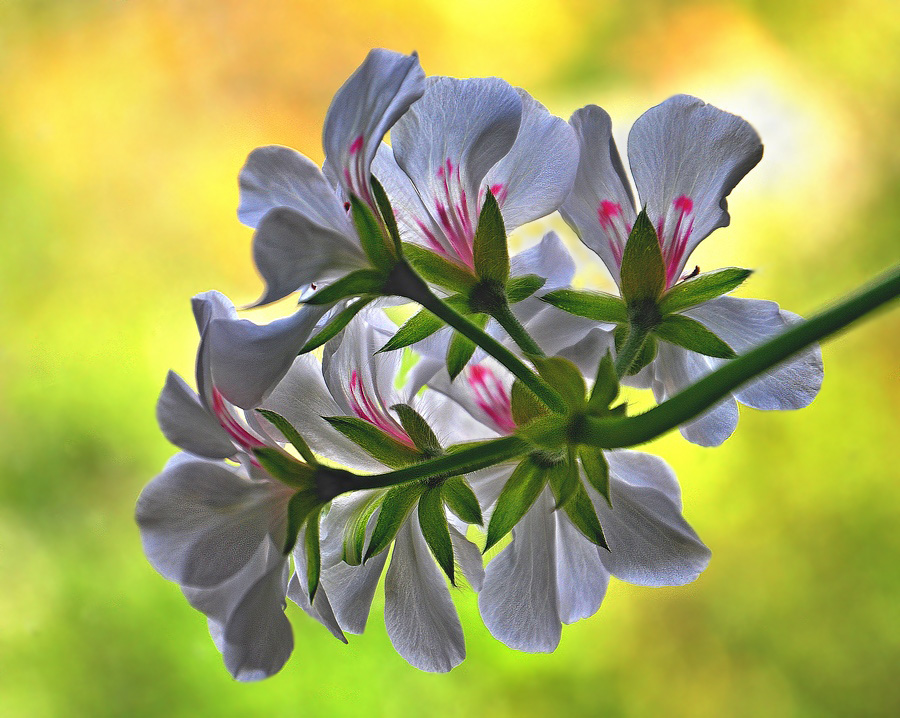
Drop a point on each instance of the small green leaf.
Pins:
(462, 500)
(688, 333)
(417, 429)
(525, 405)
(520, 492)
(289, 433)
(581, 512)
(433, 522)
(378, 249)
(355, 531)
(702, 288)
(606, 386)
(648, 350)
(462, 348)
(519, 288)
(284, 467)
(564, 479)
(565, 377)
(355, 284)
(299, 508)
(491, 254)
(341, 320)
(313, 554)
(387, 213)
(596, 469)
(394, 509)
(421, 325)
(643, 272)
(599, 306)
(374, 441)
(439, 270)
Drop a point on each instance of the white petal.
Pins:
(420, 618)
(451, 422)
(363, 110)
(686, 148)
(581, 577)
(211, 305)
(298, 592)
(549, 258)
(248, 360)
(746, 323)
(281, 177)
(291, 251)
(518, 602)
(534, 177)
(678, 368)
(600, 179)
(587, 352)
(650, 543)
(201, 522)
(468, 557)
(188, 424)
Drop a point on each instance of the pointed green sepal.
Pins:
(582, 513)
(525, 405)
(546, 433)
(519, 493)
(599, 306)
(439, 270)
(565, 377)
(289, 433)
(642, 275)
(375, 442)
(397, 504)
(433, 522)
(285, 467)
(702, 288)
(564, 479)
(462, 348)
(355, 531)
(387, 214)
(355, 284)
(519, 288)
(606, 386)
(690, 334)
(301, 506)
(489, 248)
(313, 553)
(596, 469)
(341, 320)
(378, 248)
(417, 429)
(461, 500)
(420, 326)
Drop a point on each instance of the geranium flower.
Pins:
(686, 157)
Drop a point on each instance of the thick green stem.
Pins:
(405, 282)
(630, 350)
(512, 326)
(693, 401)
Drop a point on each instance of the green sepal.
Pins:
(374, 441)
(596, 469)
(397, 504)
(461, 500)
(387, 213)
(648, 350)
(433, 522)
(519, 288)
(341, 320)
(355, 531)
(525, 405)
(355, 284)
(313, 554)
(565, 377)
(599, 306)
(300, 507)
(284, 467)
(606, 386)
(564, 479)
(461, 348)
(377, 247)
(417, 429)
(642, 275)
(489, 248)
(690, 334)
(582, 513)
(547, 432)
(418, 327)
(518, 495)
(439, 270)
(702, 288)
(289, 433)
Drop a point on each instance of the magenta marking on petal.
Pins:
(491, 397)
(454, 214)
(675, 246)
(357, 145)
(374, 413)
(240, 435)
(612, 222)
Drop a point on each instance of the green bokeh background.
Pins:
(122, 128)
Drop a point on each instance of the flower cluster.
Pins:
(332, 446)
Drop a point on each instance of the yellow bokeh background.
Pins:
(122, 128)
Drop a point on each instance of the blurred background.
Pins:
(122, 129)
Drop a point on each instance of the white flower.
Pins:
(550, 573)
(686, 157)
(303, 231)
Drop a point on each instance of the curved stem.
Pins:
(512, 326)
(634, 342)
(404, 282)
(697, 398)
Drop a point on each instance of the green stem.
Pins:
(626, 357)
(512, 326)
(697, 398)
(404, 282)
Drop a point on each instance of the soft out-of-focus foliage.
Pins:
(122, 128)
